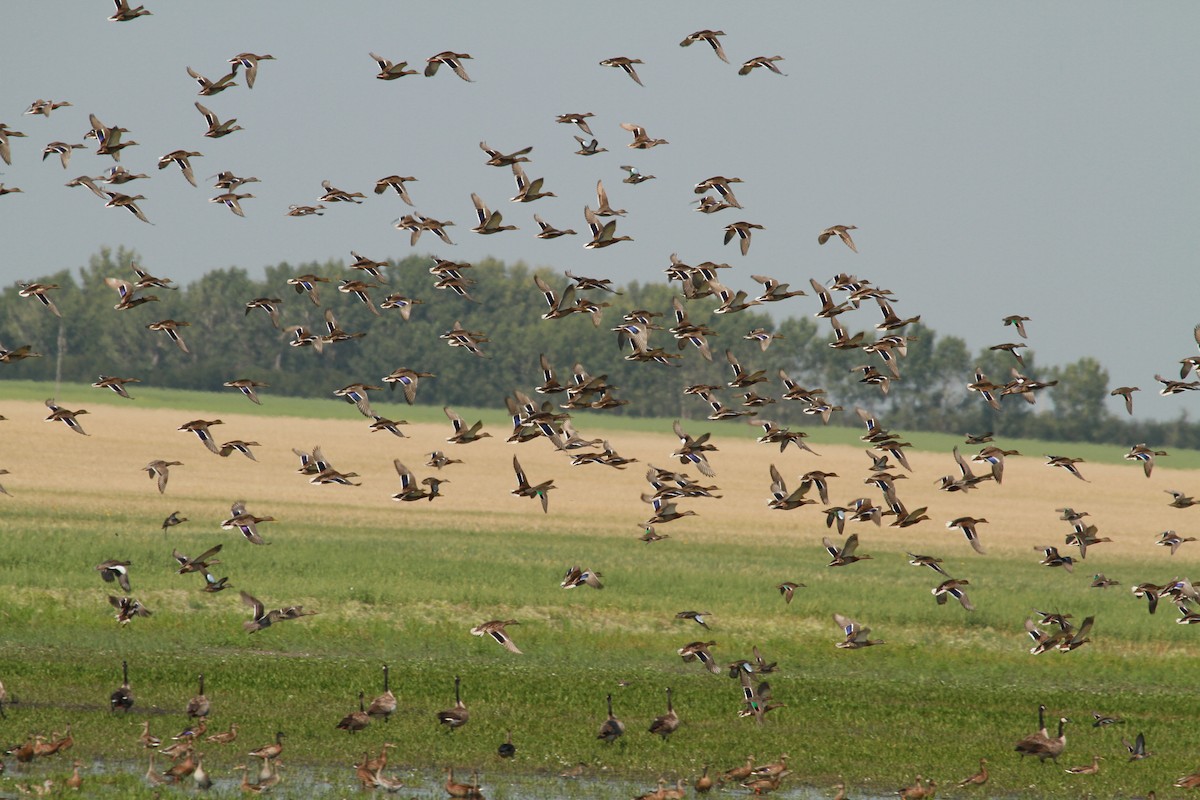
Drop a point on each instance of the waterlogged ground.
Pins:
(112, 779)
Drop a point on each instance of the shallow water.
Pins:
(114, 779)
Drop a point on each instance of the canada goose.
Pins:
(666, 724)
(385, 704)
(355, 721)
(1041, 745)
(459, 715)
(612, 728)
(122, 698)
(199, 706)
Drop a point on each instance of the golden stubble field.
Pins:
(99, 476)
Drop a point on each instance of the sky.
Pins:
(997, 158)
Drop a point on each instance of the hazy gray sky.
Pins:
(997, 158)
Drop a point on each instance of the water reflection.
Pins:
(113, 779)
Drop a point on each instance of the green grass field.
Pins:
(402, 583)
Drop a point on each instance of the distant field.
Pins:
(402, 583)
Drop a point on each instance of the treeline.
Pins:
(226, 342)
